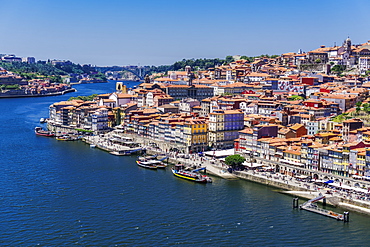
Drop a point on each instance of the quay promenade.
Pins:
(288, 184)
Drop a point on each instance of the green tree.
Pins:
(358, 106)
(338, 69)
(366, 107)
(229, 59)
(234, 160)
(84, 98)
(56, 78)
(10, 87)
(358, 109)
(99, 76)
(226, 94)
(340, 118)
(295, 97)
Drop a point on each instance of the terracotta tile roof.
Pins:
(124, 96)
(247, 131)
(178, 86)
(296, 126)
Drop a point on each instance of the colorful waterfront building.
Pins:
(224, 127)
(195, 134)
(99, 120)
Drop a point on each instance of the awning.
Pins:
(252, 165)
(219, 154)
(319, 181)
(329, 182)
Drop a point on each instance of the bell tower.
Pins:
(119, 86)
(347, 46)
(190, 75)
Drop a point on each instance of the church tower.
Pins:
(347, 46)
(190, 75)
(120, 87)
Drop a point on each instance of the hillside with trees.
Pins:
(202, 63)
(48, 71)
(34, 71)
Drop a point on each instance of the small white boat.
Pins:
(42, 120)
(92, 145)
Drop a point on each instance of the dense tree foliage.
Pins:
(340, 118)
(234, 160)
(99, 76)
(295, 97)
(195, 64)
(338, 69)
(202, 64)
(47, 70)
(251, 59)
(84, 98)
(72, 68)
(10, 87)
(32, 70)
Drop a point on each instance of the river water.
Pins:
(65, 193)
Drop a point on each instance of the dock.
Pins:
(311, 206)
(115, 146)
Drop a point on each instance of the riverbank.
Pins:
(307, 190)
(286, 184)
(4, 95)
(87, 82)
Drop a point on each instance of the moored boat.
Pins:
(146, 164)
(178, 171)
(157, 163)
(40, 132)
(65, 138)
(125, 152)
(152, 160)
(160, 164)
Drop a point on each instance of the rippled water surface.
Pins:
(65, 193)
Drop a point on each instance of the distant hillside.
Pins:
(47, 70)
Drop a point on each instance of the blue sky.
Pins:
(155, 32)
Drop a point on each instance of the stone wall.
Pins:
(61, 129)
(260, 180)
